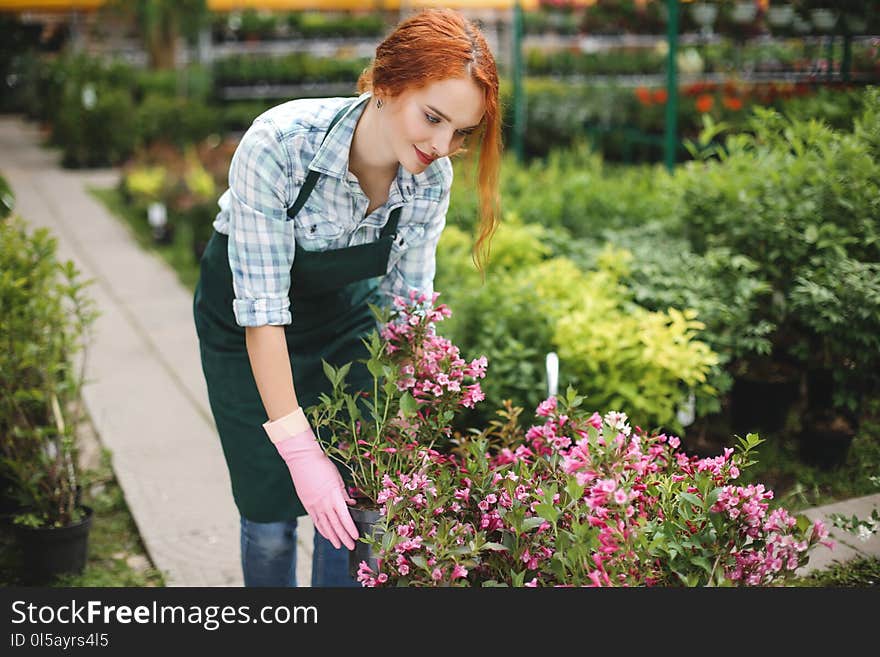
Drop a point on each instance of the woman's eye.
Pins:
(432, 119)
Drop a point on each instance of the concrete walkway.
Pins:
(145, 391)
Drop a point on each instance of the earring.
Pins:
(378, 103)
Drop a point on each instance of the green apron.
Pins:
(329, 295)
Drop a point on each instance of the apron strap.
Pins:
(390, 227)
(313, 175)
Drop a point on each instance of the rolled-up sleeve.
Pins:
(417, 265)
(261, 240)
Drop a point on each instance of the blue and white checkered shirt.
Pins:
(266, 174)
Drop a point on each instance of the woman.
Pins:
(333, 204)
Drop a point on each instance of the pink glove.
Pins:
(316, 479)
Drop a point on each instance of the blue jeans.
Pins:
(268, 557)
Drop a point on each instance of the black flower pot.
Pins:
(368, 523)
(51, 551)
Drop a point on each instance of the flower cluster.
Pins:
(420, 380)
(430, 367)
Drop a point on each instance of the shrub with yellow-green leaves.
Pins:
(616, 352)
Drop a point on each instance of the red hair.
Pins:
(434, 45)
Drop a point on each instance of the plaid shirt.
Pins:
(266, 174)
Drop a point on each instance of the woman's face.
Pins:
(432, 121)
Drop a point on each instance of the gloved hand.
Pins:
(316, 479)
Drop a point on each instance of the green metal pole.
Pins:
(519, 105)
(670, 140)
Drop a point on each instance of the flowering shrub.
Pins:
(584, 500)
(578, 499)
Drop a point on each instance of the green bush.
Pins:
(800, 200)
(575, 190)
(313, 24)
(177, 120)
(44, 316)
(615, 62)
(839, 304)
(193, 82)
(238, 116)
(96, 132)
(836, 107)
(296, 68)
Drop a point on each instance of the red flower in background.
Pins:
(704, 103)
(732, 103)
(660, 96)
(644, 95)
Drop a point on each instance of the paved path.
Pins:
(146, 395)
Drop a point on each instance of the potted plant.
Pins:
(743, 12)
(420, 381)
(780, 14)
(704, 15)
(822, 14)
(147, 187)
(44, 317)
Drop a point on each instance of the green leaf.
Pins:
(548, 512)
(389, 388)
(329, 372)
(811, 234)
(531, 523)
(803, 523)
(575, 491)
(693, 499)
(374, 365)
(342, 372)
(408, 404)
(354, 411)
(703, 563)
(495, 547)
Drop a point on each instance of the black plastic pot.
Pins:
(51, 551)
(368, 523)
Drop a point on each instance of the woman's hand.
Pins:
(316, 479)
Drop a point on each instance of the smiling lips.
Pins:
(424, 158)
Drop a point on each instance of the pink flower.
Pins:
(547, 407)
(459, 571)
(436, 574)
